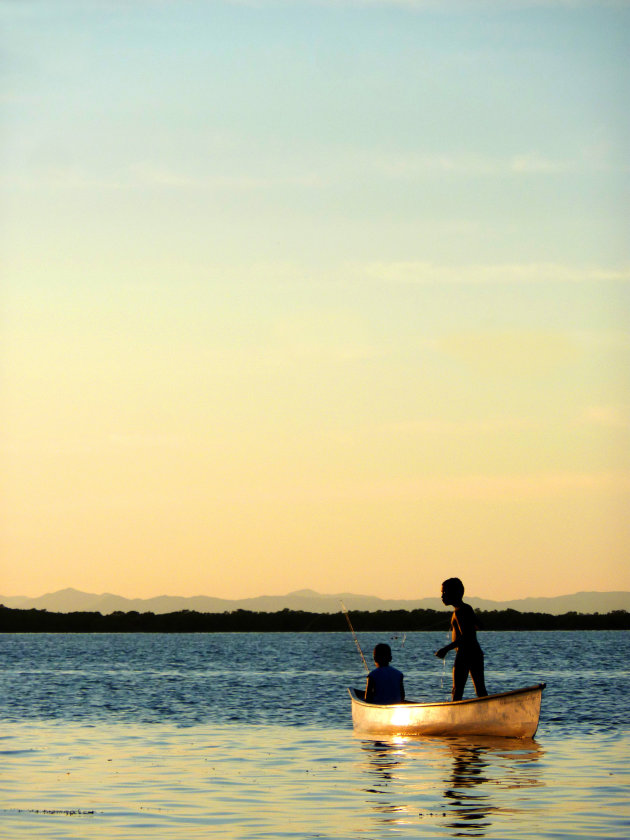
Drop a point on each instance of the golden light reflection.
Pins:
(402, 771)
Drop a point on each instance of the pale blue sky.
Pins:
(294, 288)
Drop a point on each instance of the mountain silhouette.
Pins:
(73, 600)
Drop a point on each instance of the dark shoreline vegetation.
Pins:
(294, 621)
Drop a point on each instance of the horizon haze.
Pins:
(307, 600)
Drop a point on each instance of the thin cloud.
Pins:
(461, 428)
(151, 175)
(524, 163)
(605, 416)
(537, 486)
(421, 273)
(420, 5)
(511, 353)
(534, 163)
(496, 488)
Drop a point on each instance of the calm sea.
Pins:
(249, 736)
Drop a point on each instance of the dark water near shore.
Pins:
(247, 736)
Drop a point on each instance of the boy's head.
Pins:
(452, 591)
(382, 654)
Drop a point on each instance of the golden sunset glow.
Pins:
(326, 295)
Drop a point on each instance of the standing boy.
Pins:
(384, 683)
(469, 656)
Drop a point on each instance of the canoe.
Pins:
(512, 714)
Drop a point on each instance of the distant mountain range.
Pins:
(72, 600)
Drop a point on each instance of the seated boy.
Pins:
(384, 683)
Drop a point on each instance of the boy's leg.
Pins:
(477, 674)
(460, 675)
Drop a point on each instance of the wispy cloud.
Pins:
(463, 165)
(66, 177)
(396, 167)
(419, 5)
(606, 416)
(507, 488)
(410, 165)
(412, 272)
(461, 428)
(151, 175)
(146, 175)
(497, 488)
(510, 352)
(88, 446)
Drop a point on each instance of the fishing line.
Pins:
(354, 635)
(448, 636)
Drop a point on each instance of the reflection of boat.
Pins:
(512, 714)
(484, 779)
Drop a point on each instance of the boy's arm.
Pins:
(402, 688)
(369, 689)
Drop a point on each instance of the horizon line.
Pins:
(305, 591)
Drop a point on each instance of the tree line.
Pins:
(294, 621)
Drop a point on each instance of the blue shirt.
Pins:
(387, 683)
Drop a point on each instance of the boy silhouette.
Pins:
(469, 656)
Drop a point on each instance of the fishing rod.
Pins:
(354, 635)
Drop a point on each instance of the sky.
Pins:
(328, 295)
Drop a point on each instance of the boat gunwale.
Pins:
(415, 703)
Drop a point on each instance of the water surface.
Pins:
(249, 736)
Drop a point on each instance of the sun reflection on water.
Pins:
(475, 776)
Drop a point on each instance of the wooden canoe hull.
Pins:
(513, 714)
